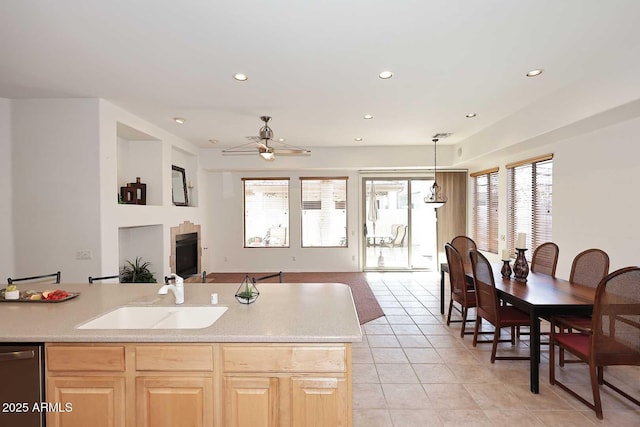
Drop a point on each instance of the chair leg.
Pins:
(475, 330)
(552, 362)
(595, 388)
(464, 320)
(496, 338)
(450, 309)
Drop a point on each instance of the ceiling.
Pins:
(313, 66)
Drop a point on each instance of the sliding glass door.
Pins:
(399, 230)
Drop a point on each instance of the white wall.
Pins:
(144, 230)
(226, 222)
(55, 186)
(6, 193)
(595, 203)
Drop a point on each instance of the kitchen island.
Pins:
(284, 360)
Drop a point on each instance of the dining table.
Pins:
(541, 296)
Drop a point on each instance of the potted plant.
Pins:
(137, 272)
(247, 292)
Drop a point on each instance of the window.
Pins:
(324, 212)
(484, 192)
(529, 201)
(266, 212)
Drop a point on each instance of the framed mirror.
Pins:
(179, 186)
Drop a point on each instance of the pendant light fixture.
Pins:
(435, 198)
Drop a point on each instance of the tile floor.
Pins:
(413, 370)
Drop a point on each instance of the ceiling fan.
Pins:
(265, 145)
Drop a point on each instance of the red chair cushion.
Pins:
(577, 344)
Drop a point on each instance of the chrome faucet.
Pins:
(177, 289)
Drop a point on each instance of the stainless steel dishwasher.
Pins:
(21, 385)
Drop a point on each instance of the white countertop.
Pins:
(284, 312)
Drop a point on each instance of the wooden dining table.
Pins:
(541, 296)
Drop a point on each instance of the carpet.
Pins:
(366, 303)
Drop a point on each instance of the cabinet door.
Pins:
(319, 402)
(86, 401)
(174, 401)
(251, 402)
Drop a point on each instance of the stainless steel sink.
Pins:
(173, 317)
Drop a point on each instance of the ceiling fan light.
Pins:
(267, 155)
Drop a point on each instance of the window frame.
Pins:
(344, 179)
(244, 212)
(485, 204)
(540, 229)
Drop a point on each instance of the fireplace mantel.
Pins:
(185, 228)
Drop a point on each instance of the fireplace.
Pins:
(186, 254)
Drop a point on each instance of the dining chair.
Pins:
(545, 259)
(463, 244)
(93, 279)
(489, 308)
(460, 292)
(45, 278)
(588, 268)
(613, 337)
(270, 276)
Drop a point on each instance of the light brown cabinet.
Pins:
(301, 385)
(206, 385)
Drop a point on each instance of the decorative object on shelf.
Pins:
(520, 266)
(135, 193)
(435, 198)
(247, 292)
(141, 191)
(179, 186)
(137, 272)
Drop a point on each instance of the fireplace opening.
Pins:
(186, 254)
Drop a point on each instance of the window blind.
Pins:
(529, 202)
(324, 212)
(484, 189)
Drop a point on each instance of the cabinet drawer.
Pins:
(85, 358)
(284, 358)
(174, 358)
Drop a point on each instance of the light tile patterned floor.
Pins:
(413, 370)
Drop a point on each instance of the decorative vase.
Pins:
(247, 292)
(520, 266)
(506, 269)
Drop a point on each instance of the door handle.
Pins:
(17, 355)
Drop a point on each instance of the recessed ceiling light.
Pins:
(357, 139)
(240, 77)
(367, 117)
(471, 115)
(213, 141)
(281, 139)
(385, 75)
(179, 120)
(534, 73)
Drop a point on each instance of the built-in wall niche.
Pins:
(140, 156)
(145, 242)
(189, 162)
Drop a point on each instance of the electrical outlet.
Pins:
(353, 257)
(293, 258)
(84, 254)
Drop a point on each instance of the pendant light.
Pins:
(435, 198)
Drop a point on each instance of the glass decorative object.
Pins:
(247, 292)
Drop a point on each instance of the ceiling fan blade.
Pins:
(294, 151)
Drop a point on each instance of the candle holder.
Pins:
(506, 269)
(520, 266)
